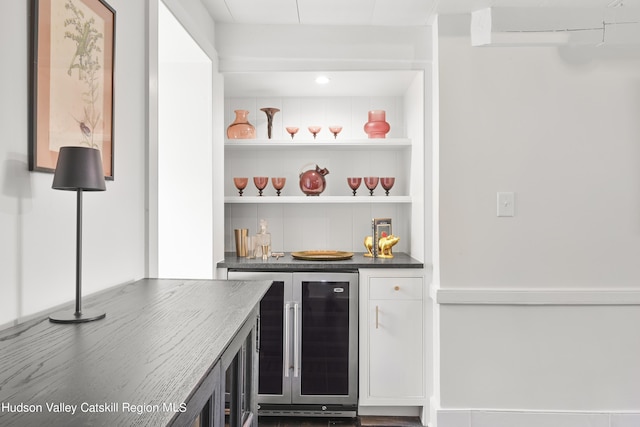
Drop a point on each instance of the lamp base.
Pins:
(83, 317)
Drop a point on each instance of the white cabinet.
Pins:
(392, 337)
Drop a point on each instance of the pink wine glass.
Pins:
(314, 130)
(292, 130)
(261, 183)
(354, 184)
(240, 183)
(335, 130)
(278, 184)
(387, 183)
(371, 182)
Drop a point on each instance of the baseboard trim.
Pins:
(502, 418)
(538, 297)
(398, 411)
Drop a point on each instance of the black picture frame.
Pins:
(71, 80)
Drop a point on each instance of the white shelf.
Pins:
(360, 199)
(333, 144)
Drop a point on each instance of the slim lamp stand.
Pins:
(79, 316)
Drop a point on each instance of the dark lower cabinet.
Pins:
(239, 382)
(201, 409)
(227, 397)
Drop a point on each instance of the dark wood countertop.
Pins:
(159, 340)
(288, 263)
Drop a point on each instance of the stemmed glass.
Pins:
(371, 182)
(387, 183)
(278, 184)
(354, 184)
(261, 183)
(240, 183)
(314, 130)
(335, 130)
(292, 130)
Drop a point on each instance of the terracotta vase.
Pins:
(377, 127)
(241, 128)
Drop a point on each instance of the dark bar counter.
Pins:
(140, 366)
(288, 263)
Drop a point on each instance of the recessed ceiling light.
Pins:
(322, 80)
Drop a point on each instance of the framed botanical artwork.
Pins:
(71, 93)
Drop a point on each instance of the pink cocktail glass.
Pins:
(371, 182)
(335, 130)
(261, 183)
(292, 130)
(278, 184)
(240, 183)
(354, 183)
(387, 183)
(314, 130)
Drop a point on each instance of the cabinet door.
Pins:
(276, 328)
(395, 348)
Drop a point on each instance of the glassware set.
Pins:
(375, 127)
(371, 182)
(260, 182)
(314, 130)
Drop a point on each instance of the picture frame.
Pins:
(71, 80)
(381, 227)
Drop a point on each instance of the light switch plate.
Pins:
(506, 203)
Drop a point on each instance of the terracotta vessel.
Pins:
(377, 127)
(312, 181)
(241, 128)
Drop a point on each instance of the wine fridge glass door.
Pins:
(325, 343)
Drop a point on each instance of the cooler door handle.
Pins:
(296, 337)
(287, 338)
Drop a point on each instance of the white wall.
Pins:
(37, 224)
(185, 162)
(539, 311)
(194, 18)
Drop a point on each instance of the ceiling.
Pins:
(382, 12)
(515, 16)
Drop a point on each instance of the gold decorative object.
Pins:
(322, 255)
(384, 246)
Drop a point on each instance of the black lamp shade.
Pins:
(79, 168)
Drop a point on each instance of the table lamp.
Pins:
(78, 169)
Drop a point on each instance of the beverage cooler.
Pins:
(308, 356)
